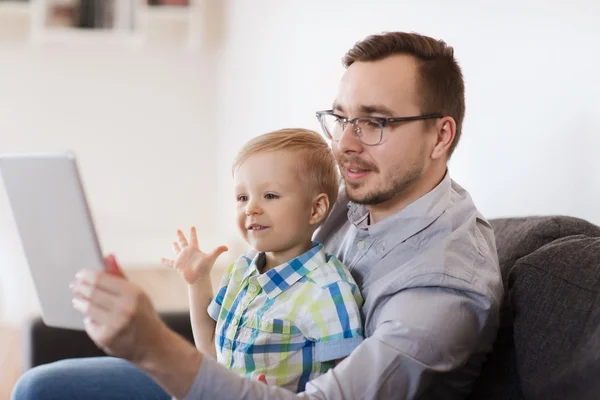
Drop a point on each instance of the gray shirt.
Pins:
(432, 287)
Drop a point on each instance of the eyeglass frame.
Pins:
(383, 122)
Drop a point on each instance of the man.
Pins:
(423, 256)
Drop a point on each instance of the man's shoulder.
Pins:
(459, 247)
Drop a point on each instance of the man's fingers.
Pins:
(80, 305)
(100, 317)
(103, 281)
(112, 266)
(193, 237)
(183, 243)
(99, 297)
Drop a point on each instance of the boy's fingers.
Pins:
(216, 253)
(182, 240)
(193, 237)
(176, 248)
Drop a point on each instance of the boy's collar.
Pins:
(278, 279)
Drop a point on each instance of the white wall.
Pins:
(142, 123)
(156, 128)
(531, 131)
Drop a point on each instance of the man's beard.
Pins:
(396, 187)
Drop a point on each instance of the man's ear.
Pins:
(446, 131)
(320, 206)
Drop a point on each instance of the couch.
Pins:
(548, 344)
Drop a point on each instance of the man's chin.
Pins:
(367, 197)
(359, 196)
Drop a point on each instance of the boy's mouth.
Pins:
(256, 227)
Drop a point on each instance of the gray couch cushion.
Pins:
(554, 296)
(518, 237)
(515, 239)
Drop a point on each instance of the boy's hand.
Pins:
(189, 261)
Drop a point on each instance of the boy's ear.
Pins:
(320, 206)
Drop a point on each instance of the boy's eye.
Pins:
(271, 196)
(242, 197)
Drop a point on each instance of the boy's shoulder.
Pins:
(330, 271)
(242, 263)
(245, 259)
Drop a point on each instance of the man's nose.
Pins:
(349, 141)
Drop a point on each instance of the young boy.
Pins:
(286, 309)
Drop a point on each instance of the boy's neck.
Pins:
(274, 259)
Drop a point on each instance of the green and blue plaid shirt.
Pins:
(289, 323)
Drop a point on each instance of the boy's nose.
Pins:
(253, 209)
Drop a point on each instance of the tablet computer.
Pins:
(56, 228)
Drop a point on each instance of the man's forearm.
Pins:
(173, 363)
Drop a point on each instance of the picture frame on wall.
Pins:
(89, 14)
(169, 3)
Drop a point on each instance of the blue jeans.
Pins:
(87, 378)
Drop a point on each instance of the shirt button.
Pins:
(234, 322)
(252, 289)
(360, 244)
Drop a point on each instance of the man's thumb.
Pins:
(112, 267)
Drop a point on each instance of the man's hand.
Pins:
(118, 315)
(120, 319)
(190, 261)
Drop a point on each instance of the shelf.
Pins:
(85, 36)
(154, 24)
(16, 8)
(167, 13)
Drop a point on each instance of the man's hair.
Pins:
(440, 79)
(317, 166)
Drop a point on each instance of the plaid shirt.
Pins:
(289, 323)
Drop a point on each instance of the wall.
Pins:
(531, 131)
(156, 128)
(141, 120)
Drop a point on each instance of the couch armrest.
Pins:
(43, 344)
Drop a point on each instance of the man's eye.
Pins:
(372, 123)
(271, 196)
(242, 198)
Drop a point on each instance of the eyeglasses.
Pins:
(369, 130)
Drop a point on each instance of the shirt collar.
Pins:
(278, 279)
(409, 221)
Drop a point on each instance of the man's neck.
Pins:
(381, 211)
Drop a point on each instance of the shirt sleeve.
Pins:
(424, 336)
(214, 308)
(333, 321)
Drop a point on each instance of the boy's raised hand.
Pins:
(190, 261)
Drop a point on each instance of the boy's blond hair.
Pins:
(318, 166)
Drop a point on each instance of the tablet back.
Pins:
(55, 226)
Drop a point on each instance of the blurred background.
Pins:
(155, 98)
